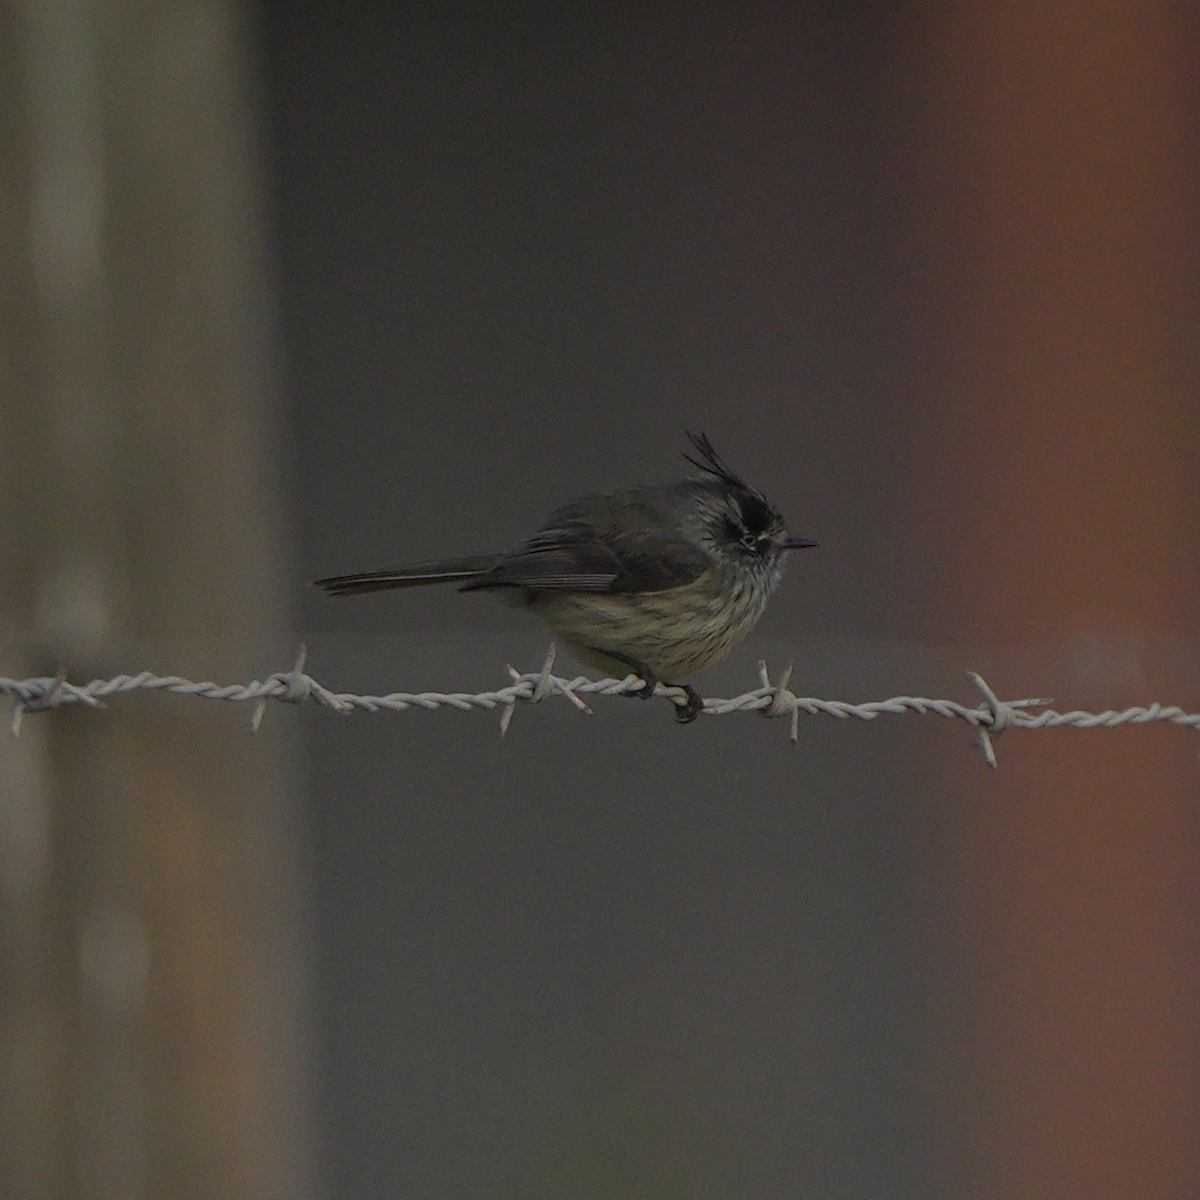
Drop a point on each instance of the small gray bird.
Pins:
(661, 580)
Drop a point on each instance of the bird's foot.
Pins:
(648, 677)
(686, 712)
(649, 683)
(691, 708)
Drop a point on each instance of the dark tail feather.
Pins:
(452, 570)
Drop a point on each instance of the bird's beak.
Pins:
(799, 543)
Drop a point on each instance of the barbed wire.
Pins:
(990, 717)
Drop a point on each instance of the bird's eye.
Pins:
(750, 541)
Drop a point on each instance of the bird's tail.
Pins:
(449, 570)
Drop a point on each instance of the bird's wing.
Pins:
(620, 545)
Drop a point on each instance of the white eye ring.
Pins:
(749, 541)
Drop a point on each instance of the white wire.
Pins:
(990, 718)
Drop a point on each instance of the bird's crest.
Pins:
(711, 463)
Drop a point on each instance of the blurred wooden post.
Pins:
(1053, 189)
(151, 1013)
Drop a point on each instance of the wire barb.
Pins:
(997, 716)
(989, 719)
(38, 695)
(783, 701)
(541, 686)
(292, 687)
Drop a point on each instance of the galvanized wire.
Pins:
(990, 717)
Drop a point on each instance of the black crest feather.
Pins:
(713, 463)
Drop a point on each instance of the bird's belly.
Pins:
(675, 633)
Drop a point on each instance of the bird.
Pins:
(661, 580)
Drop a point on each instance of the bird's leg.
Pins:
(684, 713)
(643, 672)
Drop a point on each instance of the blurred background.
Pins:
(298, 289)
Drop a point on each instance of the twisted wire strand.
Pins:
(989, 718)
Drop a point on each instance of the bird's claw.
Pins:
(691, 708)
